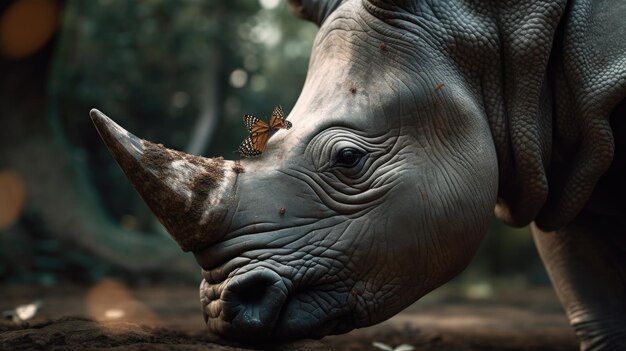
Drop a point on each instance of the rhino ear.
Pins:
(315, 11)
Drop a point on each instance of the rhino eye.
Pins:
(348, 157)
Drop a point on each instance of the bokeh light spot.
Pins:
(258, 82)
(269, 4)
(114, 313)
(26, 26)
(238, 78)
(12, 198)
(111, 299)
(180, 99)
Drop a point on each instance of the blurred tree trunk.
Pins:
(211, 90)
(34, 145)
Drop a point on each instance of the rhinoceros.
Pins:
(416, 120)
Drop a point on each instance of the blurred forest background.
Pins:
(177, 72)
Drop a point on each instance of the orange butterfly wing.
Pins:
(246, 149)
(255, 125)
(260, 140)
(278, 120)
(255, 143)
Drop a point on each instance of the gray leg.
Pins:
(587, 265)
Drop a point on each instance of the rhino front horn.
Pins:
(190, 195)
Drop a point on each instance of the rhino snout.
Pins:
(249, 305)
(252, 301)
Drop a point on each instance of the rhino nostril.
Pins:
(252, 295)
(252, 301)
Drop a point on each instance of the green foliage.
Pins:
(148, 64)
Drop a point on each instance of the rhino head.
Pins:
(383, 188)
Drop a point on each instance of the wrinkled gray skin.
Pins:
(450, 108)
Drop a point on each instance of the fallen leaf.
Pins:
(382, 346)
(23, 312)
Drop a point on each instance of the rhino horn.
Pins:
(190, 195)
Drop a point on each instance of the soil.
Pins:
(112, 316)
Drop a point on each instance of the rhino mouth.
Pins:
(260, 305)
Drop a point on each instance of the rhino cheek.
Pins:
(428, 228)
(342, 266)
(319, 254)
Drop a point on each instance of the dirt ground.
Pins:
(111, 316)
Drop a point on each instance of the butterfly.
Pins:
(260, 132)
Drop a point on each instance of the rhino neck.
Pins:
(190, 195)
(549, 121)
